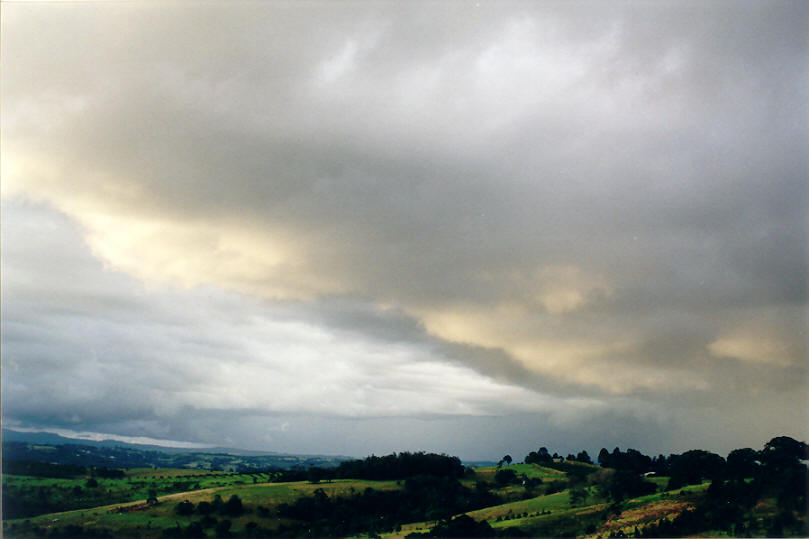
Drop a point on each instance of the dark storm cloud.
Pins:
(585, 200)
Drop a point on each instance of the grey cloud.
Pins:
(660, 149)
(119, 353)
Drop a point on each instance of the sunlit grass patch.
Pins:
(552, 502)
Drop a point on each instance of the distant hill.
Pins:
(53, 448)
(479, 463)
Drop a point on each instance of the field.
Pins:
(119, 504)
(25, 495)
(141, 519)
(486, 473)
(131, 516)
(555, 499)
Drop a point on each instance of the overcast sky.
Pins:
(354, 228)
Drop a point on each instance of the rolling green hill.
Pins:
(422, 494)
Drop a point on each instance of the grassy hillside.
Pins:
(141, 519)
(26, 496)
(752, 494)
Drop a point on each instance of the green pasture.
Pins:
(563, 523)
(487, 473)
(510, 514)
(667, 495)
(148, 521)
(551, 502)
(560, 519)
(75, 492)
(272, 494)
(129, 516)
(660, 481)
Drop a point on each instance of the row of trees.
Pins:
(543, 456)
(689, 467)
(423, 497)
(389, 467)
(401, 466)
(233, 507)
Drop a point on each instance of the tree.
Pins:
(204, 508)
(604, 458)
(234, 506)
(506, 459)
(194, 529)
(577, 496)
(462, 526)
(222, 528)
(504, 477)
(693, 466)
(314, 474)
(152, 498)
(538, 457)
(742, 463)
(184, 508)
(627, 484)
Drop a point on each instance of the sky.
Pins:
(354, 227)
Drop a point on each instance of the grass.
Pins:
(669, 494)
(74, 493)
(547, 515)
(565, 523)
(149, 521)
(487, 473)
(552, 503)
(642, 514)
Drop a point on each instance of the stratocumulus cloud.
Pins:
(371, 210)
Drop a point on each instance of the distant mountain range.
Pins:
(54, 448)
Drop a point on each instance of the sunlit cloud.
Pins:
(272, 212)
(755, 345)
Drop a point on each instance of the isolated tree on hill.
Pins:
(507, 459)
